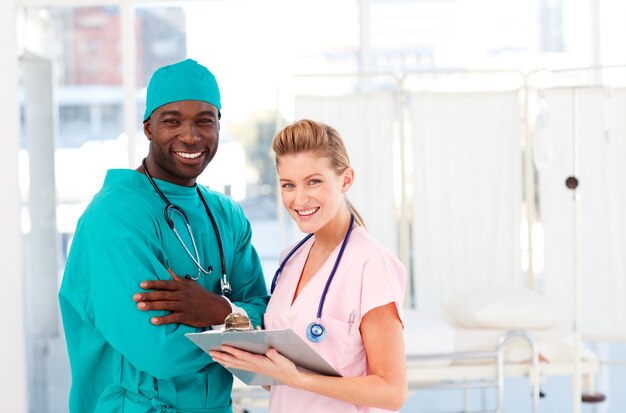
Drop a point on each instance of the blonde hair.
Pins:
(308, 135)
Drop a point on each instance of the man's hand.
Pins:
(186, 300)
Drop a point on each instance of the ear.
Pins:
(147, 129)
(348, 179)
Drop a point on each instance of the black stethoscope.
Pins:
(315, 331)
(170, 209)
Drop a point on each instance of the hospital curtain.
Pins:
(467, 193)
(365, 122)
(593, 120)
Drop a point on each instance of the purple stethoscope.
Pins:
(315, 331)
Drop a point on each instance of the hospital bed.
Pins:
(441, 355)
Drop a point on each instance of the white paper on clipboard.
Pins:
(285, 341)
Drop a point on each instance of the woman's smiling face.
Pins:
(310, 189)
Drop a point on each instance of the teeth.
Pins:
(307, 212)
(189, 155)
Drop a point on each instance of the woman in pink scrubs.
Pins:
(362, 309)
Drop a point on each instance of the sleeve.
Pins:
(233, 309)
(383, 282)
(111, 254)
(249, 290)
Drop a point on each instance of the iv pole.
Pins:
(572, 183)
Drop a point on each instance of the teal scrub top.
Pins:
(121, 362)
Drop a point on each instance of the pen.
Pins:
(350, 322)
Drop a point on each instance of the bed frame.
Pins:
(491, 370)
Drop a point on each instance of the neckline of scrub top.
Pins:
(139, 179)
(299, 260)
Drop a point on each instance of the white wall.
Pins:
(12, 345)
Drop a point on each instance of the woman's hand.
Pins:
(271, 364)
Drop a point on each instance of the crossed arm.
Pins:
(186, 300)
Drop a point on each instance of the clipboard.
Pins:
(285, 341)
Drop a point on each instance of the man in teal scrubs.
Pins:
(133, 286)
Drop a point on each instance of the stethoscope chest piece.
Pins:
(315, 332)
(225, 285)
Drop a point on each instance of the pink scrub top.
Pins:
(367, 277)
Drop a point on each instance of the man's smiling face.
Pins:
(184, 138)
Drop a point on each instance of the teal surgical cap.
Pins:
(186, 80)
